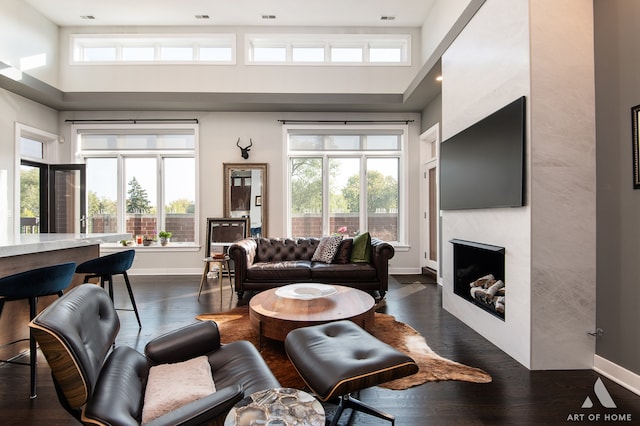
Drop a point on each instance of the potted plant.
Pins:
(165, 237)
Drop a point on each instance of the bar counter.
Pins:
(38, 243)
(30, 251)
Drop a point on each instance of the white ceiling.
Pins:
(358, 13)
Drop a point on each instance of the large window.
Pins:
(346, 179)
(141, 179)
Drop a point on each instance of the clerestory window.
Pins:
(140, 48)
(328, 49)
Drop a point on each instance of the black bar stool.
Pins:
(30, 285)
(105, 267)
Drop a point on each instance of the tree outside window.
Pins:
(137, 199)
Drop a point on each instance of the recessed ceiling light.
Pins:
(202, 16)
(439, 78)
(268, 16)
(88, 17)
(387, 18)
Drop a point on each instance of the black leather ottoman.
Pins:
(338, 358)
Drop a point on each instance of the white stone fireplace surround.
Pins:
(512, 48)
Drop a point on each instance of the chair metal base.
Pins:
(33, 347)
(347, 401)
(32, 363)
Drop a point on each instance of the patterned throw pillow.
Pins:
(327, 249)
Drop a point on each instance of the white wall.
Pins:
(238, 78)
(441, 17)
(219, 132)
(509, 49)
(16, 109)
(25, 33)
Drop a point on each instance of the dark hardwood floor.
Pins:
(516, 395)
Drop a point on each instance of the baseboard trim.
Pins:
(620, 375)
(165, 271)
(198, 271)
(404, 271)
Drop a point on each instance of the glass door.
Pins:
(67, 198)
(33, 197)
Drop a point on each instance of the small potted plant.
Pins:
(165, 237)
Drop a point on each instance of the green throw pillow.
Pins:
(361, 250)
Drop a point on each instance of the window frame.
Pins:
(78, 42)
(362, 155)
(159, 155)
(365, 42)
(49, 153)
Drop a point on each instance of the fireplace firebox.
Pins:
(480, 264)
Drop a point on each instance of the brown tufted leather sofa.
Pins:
(264, 263)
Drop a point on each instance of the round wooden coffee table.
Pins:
(274, 316)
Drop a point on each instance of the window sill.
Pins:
(401, 247)
(156, 247)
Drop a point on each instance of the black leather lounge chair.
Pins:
(98, 385)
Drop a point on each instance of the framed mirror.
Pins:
(246, 195)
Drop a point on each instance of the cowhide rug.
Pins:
(235, 325)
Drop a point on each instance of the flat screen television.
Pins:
(483, 166)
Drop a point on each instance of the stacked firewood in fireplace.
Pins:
(490, 292)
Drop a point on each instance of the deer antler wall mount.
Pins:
(244, 151)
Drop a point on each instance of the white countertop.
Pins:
(37, 243)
